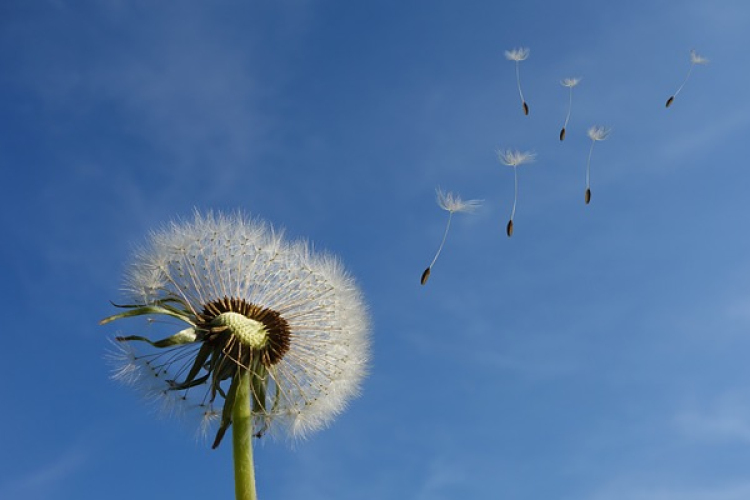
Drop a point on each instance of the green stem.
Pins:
(242, 429)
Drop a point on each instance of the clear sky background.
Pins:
(601, 353)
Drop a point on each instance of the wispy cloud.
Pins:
(738, 309)
(704, 137)
(725, 419)
(738, 491)
(46, 482)
(196, 97)
(441, 476)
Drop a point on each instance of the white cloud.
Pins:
(441, 475)
(726, 419)
(626, 491)
(46, 481)
(704, 137)
(198, 97)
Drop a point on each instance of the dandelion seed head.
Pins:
(209, 419)
(598, 132)
(518, 54)
(570, 82)
(514, 158)
(304, 324)
(697, 59)
(123, 359)
(453, 203)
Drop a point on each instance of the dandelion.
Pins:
(514, 158)
(451, 203)
(274, 337)
(694, 59)
(596, 133)
(518, 55)
(570, 83)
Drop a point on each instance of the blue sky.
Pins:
(598, 354)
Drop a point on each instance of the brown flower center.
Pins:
(275, 325)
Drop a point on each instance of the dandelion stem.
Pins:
(515, 193)
(588, 166)
(442, 243)
(518, 82)
(242, 435)
(685, 80)
(570, 107)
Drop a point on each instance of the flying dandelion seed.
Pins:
(518, 55)
(452, 204)
(694, 59)
(596, 133)
(514, 158)
(276, 337)
(570, 83)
